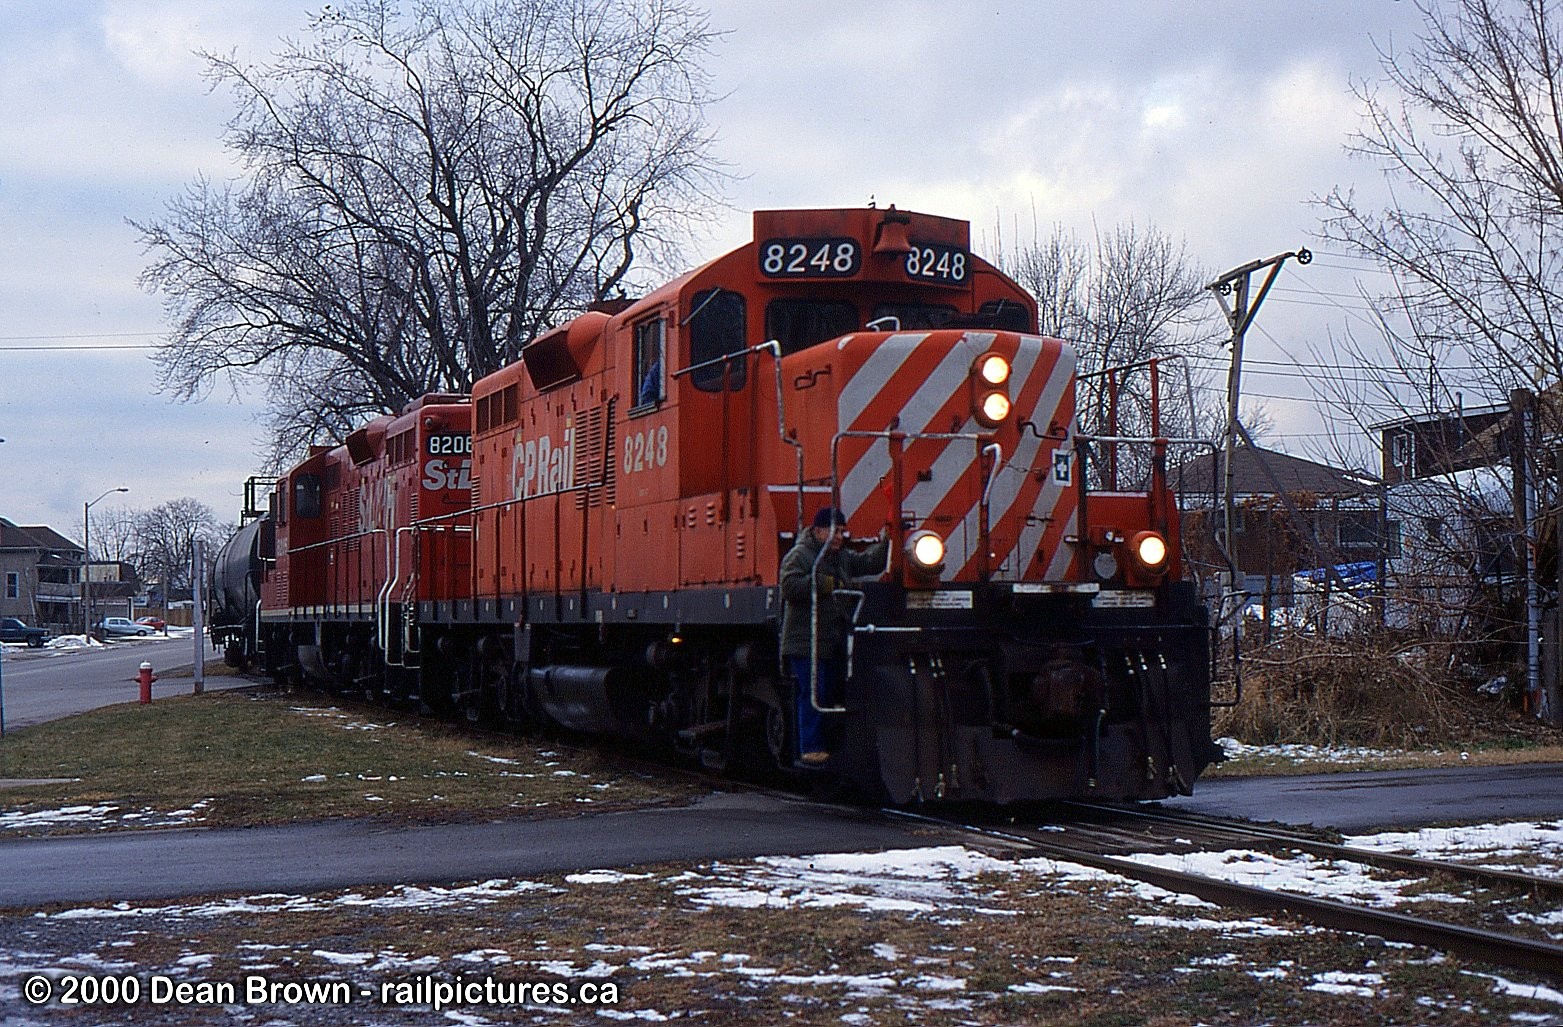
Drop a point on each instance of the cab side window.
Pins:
(648, 363)
(306, 496)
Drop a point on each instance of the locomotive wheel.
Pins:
(778, 735)
(486, 699)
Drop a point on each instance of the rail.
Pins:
(1472, 942)
(1332, 850)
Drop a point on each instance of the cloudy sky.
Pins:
(1216, 124)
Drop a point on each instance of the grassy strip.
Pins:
(236, 758)
(1488, 754)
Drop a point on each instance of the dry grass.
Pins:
(1368, 690)
(996, 948)
(238, 758)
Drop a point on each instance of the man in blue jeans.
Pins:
(817, 566)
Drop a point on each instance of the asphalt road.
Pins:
(131, 865)
(46, 684)
(1387, 800)
(146, 865)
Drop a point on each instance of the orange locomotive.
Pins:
(640, 473)
(325, 586)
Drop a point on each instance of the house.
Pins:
(1291, 515)
(1423, 445)
(112, 587)
(41, 570)
(1459, 547)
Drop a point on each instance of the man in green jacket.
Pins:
(811, 573)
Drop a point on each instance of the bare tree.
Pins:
(1123, 298)
(167, 535)
(1466, 126)
(1468, 129)
(425, 193)
(114, 534)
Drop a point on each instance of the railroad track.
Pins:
(1107, 837)
(1110, 837)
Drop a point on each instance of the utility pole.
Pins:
(198, 612)
(1521, 403)
(1240, 315)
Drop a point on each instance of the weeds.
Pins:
(1366, 689)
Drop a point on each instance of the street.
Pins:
(46, 684)
(1380, 800)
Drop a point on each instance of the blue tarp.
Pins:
(1353, 575)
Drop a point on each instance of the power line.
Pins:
(81, 335)
(80, 349)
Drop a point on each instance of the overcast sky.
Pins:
(1215, 123)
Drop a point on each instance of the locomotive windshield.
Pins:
(800, 323)
(716, 328)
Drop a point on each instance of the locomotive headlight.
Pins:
(992, 409)
(1150, 549)
(993, 369)
(926, 551)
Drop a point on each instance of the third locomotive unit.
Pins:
(593, 539)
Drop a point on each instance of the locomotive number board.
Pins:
(837, 257)
(810, 258)
(450, 445)
(931, 262)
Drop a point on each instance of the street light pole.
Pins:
(86, 561)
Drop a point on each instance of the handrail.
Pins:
(1082, 443)
(835, 501)
(383, 611)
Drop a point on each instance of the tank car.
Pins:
(235, 591)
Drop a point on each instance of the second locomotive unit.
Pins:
(638, 476)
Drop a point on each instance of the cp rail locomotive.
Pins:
(591, 539)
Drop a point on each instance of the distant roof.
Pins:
(1490, 447)
(1249, 477)
(1433, 417)
(38, 536)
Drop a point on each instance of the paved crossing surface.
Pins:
(131, 865)
(1387, 799)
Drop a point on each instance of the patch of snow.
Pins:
(1484, 842)
(1301, 754)
(604, 877)
(1336, 982)
(1504, 986)
(1033, 988)
(1298, 873)
(493, 759)
(401, 897)
(75, 816)
(1251, 928)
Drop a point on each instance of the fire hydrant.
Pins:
(146, 678)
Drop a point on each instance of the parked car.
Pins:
(13, 630)
(123, 626)
(155, 623)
